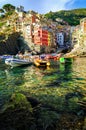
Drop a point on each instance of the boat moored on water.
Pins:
(17, 62)
(53, 56)
(66, 60)
(40, 61)
(3, 57)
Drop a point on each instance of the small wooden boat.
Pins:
(66, 60)
(17, 62)
(62, 60)
(53, 56)
(41, 62)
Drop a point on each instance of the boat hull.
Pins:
(17, 62)
(39, 62)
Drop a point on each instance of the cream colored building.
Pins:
(79, 34)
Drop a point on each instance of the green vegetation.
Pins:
(6, 10)
(8, 7)
(72, 17)
(1, 24)
(1, 11)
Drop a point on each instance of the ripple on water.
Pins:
(55, 81)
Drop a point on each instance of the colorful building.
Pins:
(28, 28)
(40, 36)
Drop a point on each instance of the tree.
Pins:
(1, 11)
(8, 7)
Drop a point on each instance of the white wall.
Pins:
(60, 39)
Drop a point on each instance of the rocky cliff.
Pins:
(10, 44)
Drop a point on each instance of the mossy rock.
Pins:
(17, 113)
(84, 99)
(72, 104)
(46, 118)
(17, 101)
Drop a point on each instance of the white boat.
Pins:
(17, 62)
(3, 57)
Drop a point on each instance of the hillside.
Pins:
(72, 17)
(8, 37)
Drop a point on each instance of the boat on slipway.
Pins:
(17, 62)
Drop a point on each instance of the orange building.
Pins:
(41, 36)
(33, 18)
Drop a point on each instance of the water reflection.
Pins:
(57, 80)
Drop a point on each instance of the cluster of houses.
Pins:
(79, 34)
(39, 32)
(78, 39)
(47, 35)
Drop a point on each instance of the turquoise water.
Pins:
(51, 85)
